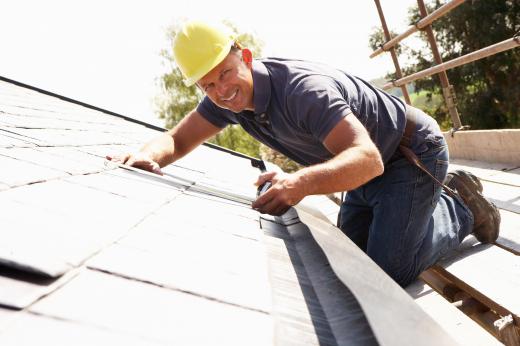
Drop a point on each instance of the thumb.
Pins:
(262, 178)
(156, 169)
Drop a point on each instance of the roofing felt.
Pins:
(95, 253)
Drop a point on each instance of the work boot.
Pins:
(470, 176)
(486, 217)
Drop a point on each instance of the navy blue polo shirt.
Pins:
(297, 104)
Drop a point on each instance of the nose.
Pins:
(221, 89)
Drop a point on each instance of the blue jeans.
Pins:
(402, 219)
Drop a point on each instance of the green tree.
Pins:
(177, 100)
(487, 90)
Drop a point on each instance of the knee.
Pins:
(358, 238)
(356, 232)
(405, 280)
(402, 274)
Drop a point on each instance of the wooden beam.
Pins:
(441, 11)
(447, 90)
(393, 53)
(465, 59)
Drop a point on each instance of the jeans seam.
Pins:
(438, 167)
(409, 222)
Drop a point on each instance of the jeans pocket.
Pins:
(430, 145)
(441, 169)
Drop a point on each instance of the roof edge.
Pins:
(254, 161)
(68, 99)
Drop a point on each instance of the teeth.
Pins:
(231, 97)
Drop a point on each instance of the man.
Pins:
(347, 133)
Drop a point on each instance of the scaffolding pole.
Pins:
(465, 59)
(398, 71)
(447, 89)
(418, 26)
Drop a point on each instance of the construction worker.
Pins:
(346, 133)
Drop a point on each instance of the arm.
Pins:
(356, 161)
(171, 145)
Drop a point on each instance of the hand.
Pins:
(138, 160)
(285, 192)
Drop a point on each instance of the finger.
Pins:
(132, 161)
(282, 210)
(273, 207)
(119, 158)
(144, 165)
(262, 178)
(263, 199)
(276, 206)
(138, 160)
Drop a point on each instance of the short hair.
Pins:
(236, 48)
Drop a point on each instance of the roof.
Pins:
(96, 253)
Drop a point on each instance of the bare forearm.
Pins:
(346, 171)
(161, 149)
(192, 131)
(356, 161)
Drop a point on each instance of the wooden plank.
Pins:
(394, 317)
(501, 181)
(510, 230)
(504, 196)
(462, 328)
(308, 290)
(501, 184)
(290, 291)
(495, 172)
(480, 168)
(491, 271)
(507, 178)
(324, 208)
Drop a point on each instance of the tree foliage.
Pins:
(486, 90)
(177, 100)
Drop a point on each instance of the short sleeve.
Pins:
(317, 105)
(214, 114)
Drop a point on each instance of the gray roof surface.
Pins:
(92, 253)
(96, 253)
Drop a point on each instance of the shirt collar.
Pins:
(261, 87)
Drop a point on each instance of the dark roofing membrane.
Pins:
(95, 253)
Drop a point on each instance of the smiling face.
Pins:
(230, 84)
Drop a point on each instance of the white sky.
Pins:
(106, 53)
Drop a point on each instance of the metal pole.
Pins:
(446, 88)
(465, 59)
(398, 72)
(418, 26)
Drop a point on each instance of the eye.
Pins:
(208, 87)
(225, 73)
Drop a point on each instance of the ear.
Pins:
(247, 56)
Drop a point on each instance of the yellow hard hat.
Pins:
(199, 47)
